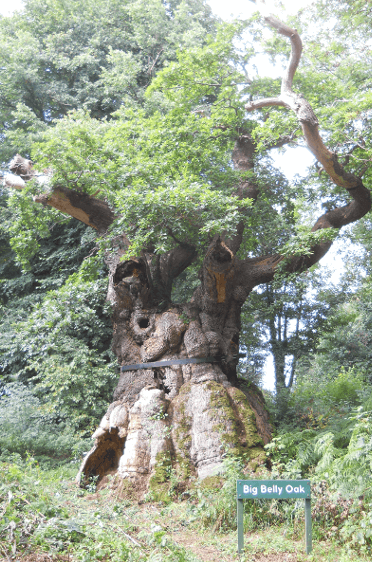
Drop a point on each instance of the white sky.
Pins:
(244, 8)
(9, 6)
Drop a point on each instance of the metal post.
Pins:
(308, 533)
(240, 511)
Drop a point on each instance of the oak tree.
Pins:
(182, 184)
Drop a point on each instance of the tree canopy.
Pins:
(57, 56)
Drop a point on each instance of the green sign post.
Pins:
(273, 489)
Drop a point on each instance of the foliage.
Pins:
(60, 254)
(42, 512)
(216, 505)
(333, 449)
(64, 349)
(52, 327)
(179, 153)
(286, 319)
(344, 93)
(177, 149)
(347, 335)
(61, 55)
(25, 427)
(172, 143)
(57, 56)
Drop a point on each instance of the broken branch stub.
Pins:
(81, 206)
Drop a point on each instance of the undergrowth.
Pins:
(43, 511)
(25, 425)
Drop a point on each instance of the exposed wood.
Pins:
(22, 167)
(81, 206)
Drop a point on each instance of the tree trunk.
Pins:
(184, 417)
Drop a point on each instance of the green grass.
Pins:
(42, 510)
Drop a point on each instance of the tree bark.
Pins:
(177, 417)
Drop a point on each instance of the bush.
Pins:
(338, 460)
(26, 427)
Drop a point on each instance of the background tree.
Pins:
(284, 320)
(57, 56)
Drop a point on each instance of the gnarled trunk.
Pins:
(184, 416)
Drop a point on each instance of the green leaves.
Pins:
(207, 80)
(301, 244)
(27, 425)
(180, 212)
(119, 79)
(64, 343)
(59, 56)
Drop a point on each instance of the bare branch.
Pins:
(155, 61)
(266, 102)
(304, 112)
(296, 44)
(264, 268)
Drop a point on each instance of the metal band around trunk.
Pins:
(170, 362)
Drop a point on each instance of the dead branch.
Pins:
(265, 267)
(81, 206)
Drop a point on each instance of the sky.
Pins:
(8, 6)
(244, 8)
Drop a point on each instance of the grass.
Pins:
(43, 511)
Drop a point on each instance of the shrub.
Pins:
(26, 427)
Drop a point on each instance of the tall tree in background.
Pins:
(284, 319)
(56, 56)
(161, 182)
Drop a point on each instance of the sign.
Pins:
(273, 489)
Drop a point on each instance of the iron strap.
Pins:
(170, 362)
